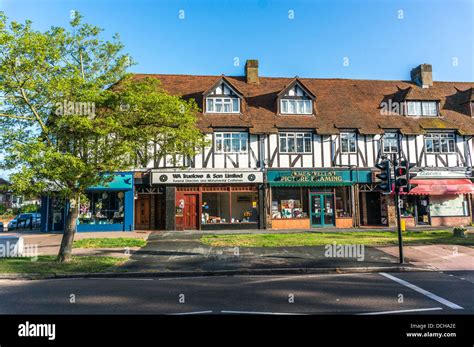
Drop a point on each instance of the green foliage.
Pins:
(29, 208)
(61, 123)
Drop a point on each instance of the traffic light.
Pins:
(403, 175)
(385, 184)
(410, 175)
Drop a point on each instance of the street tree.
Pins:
(70, 114)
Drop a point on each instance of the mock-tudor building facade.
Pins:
(300, 153)
(291, 153)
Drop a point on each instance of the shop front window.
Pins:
(233, 207)
(102, 208)
(449, 206)
(343, 202)
(289, 203)
(408, 205)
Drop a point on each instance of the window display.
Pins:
(102, 207)
(408, 206)
(289, 203)
(343, 202)
(225, 207)
(449, 205)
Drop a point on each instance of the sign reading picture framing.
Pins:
(186, 177)
(307, 178)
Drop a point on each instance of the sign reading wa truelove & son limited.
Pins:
(183, 177)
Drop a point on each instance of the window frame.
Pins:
(391, 151)
(353, 137)
(436, 142)
(306, 137)
(307, 110)
(420, 105)
(230, 103)
(222, 136)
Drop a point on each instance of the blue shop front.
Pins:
(106, 208)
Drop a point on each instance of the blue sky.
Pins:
(314, 43)
(380, 39)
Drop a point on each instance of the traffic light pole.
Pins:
(399, 224)
(399, 214)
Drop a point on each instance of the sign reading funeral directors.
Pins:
(186, 177)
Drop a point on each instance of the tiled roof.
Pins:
(340, 104)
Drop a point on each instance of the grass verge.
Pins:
(120, 242)
(374, 238)
(47, 265)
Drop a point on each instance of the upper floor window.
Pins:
(295, 142)
(422, 108)
(222, 105)
(296, 99)
(390, 143)
(231, 142)
(439, 143)
(296, 106)
(348, 143)
(222, 98)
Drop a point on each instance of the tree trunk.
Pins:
(65, 251)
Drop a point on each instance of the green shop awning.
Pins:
(317, 178)
(309, 184)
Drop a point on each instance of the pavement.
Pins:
(48, 243)
(182, 251)
(369, 293)
(437, 257)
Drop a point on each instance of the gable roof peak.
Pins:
(293, 82)
(223, 78)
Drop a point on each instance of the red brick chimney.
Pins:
(251, 71)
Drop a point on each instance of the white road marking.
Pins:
(401, 311)
(422, 291)
(268, 313)
(189, 313)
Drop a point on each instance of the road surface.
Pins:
(371, 293)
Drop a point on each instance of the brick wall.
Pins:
(450, 221)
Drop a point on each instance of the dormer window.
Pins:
(292, 106)
(222, 98)
(296, 100)
(422, 108)
(222, 105)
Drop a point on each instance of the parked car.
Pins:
(1, 227)
(25, 221)
(12, 224)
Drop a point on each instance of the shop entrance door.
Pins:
(423, 210)
(322, 210)
(142, 212)
(191, 212)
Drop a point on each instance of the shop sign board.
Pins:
(442, 174)
(116, 181)
(318, 177)
(187, 177)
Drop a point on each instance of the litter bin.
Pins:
(403, 225)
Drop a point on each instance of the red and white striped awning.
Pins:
(442, 187)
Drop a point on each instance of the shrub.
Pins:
(459, 231)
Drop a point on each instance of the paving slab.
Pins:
(175, 251)
(438, 257)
